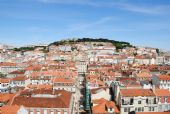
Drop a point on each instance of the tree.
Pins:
(117, 44)
(2, 75)
(157, 51)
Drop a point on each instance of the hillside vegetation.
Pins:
(117, 44)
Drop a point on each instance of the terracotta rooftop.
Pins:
(96, 90)
(7, 64)
(18, 72)
(39, 86)
(164, 77)
(34, 68)
(136, 92)
(143, 75)
(101, 104)
(162, 92)
(9, 109)
(99, 109)
(129, 82)
(19, 78)
(63, 80)
(62, 100)
(4, 80)
(99, 101)
(5, 97)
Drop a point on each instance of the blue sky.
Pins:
(140, 22)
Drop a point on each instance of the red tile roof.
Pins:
(94, 91)
(7, 64)
(143, 75)
(100, 108)
(164, 77)
(9, 109)
(4, 80)
(162, 92)
(19, 78)
(5, 97)
(62, 100)
(63, 80)
(136, 92)
(17, 72)
(129, 82)
(39, 86)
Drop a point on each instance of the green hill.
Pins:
(117, 44)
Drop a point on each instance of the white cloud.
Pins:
(121, 4)
(78, 2)
(83, 26)
(160, 9)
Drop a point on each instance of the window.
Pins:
(160, 108)
(58, 112)
(155, 100)
(38, 111)
(139, 102)
(166, 107)
(122, 101)
(128, 109)
(136, 109)
(51, 112)
(125, 110)
(131, 101)
(139, 109)
(159, 99)
(147, 101)
(142, 109)
(166, 98)
(65, 112)
(31, 112)
(153, 108)
(45, 111)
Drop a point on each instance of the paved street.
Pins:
(79, 96)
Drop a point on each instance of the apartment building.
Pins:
(67, 84)
(4, 85)
(20, 81)
(137, 100)
(7, 67)
(161, 81)
(163, 98)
